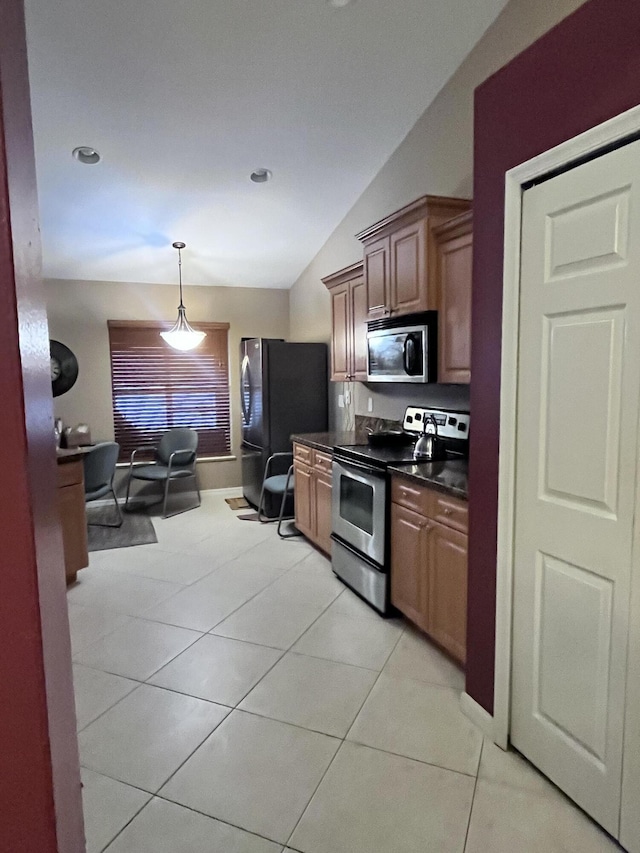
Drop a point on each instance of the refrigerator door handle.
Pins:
(245, 386)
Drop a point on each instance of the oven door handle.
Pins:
(345, 464)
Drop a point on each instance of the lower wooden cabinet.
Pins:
(73, 520)
(409, 564)
(312, 470)
(447, 600)
(429, 563)
(303, 498)
(323, 512)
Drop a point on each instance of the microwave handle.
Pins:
(409, 355)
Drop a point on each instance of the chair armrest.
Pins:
(192, 461)
(142, 447)
(272, 457)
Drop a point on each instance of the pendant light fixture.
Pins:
(182, 336)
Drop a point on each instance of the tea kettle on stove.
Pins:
(430, 447)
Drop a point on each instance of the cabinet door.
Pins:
(340, 333)
(304, 499)
(358, 294)
(408, 292)
(410, 564)
(323, 492)
(448, 589)
(376, 277)
(73, 521)
(454, 286)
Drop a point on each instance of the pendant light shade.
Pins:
(182, 336)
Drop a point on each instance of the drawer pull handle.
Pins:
(448, 510)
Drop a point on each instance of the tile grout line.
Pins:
(473, 798)
(201, 635)
(342, 742)
(133, 817)
(295, 567)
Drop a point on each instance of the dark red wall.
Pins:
(40, 803)
(582, 72)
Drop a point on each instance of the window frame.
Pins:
(158, 326)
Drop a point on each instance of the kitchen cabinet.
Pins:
(73, 521)
(348, 324)
(399, 257)
(454, 252)
(429, 551)
(313, 488)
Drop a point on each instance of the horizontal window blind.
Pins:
(156, 387)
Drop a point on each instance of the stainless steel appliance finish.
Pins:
(283, 389)
(358, 507)
(403, 349)
(361, 500)
(371, 582)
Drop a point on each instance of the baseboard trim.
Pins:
(478, 715)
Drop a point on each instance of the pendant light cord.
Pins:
(180, 276)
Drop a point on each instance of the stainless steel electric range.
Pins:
(361, 501)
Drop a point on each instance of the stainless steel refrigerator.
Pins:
(284, 390)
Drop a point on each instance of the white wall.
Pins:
(78, 312)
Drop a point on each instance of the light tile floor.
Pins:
(233, 695)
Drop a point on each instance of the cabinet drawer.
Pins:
(450, 511)
(322, 462)
(411, 496)
(70, 473)
(302, 453)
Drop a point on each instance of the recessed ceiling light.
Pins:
(340, 4)
(85, 154)
(260, 176)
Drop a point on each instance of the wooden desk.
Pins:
(72, 511)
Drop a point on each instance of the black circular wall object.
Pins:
(64, 368)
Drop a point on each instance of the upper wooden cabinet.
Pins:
(454, 251)
(348, 324)
(399, 257)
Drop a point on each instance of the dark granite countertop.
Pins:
(325, 441)
(449, 476)
(70, 454)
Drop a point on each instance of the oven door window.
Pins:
(356, 503)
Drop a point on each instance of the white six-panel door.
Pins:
(577, 440)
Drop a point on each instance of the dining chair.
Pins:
(174, 459)
(99, 471)
(280, 486)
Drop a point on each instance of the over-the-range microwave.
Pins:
(403, 349)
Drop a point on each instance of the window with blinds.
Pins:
(156, 388)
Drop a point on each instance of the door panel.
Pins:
(578, 389)
(454, 304)
(448, 590)
(340, 344)
(408, 268)
(582, 364)
(358, 293)
(376, 276)
(303, 500)
(251, 379)
(566, 696)
(323, 512)
(410, 564)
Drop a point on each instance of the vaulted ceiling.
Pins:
(184, 100)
